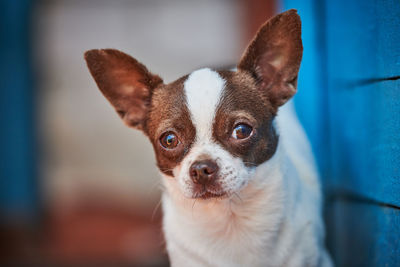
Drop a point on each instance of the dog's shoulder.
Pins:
(296, 145)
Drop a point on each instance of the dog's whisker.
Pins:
(249, 163)
(166, 170)
(155, 210)
(238, 196)
(194, 202)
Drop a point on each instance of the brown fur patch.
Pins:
(243, 102)
(169, 112)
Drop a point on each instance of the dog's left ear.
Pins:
(274, 57)
(125, 82)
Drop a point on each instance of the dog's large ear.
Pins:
(125, 82)
(274, 56)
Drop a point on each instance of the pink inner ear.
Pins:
(268, 66)
(277, 61)
(127, 89)
(135, 115)
(277, 55)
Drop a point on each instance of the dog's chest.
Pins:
(220, 235)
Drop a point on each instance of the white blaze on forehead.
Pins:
(203, 90)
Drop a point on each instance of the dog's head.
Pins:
(209, 129)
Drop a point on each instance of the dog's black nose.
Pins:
(203, 172)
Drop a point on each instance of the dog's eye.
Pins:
(242, 131)
(169, 140)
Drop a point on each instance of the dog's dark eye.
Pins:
(169, 140)
(242, 131)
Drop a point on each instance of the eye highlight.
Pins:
(242, 131)
(169, 140)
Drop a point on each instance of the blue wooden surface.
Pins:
(365, 131)
(363, 44)
(349, 104)
(18, 185)
(368, 33)
(365, 235)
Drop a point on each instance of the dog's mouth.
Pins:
(205, 193)
(208, 195)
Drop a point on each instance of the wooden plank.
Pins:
(364, 110)
(362, 39)
(388, 37)
(365, 141)
(19, 199)
(364, 235)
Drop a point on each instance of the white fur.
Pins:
(203, 90)
(274, 220)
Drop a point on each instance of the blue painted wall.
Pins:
(349, 103)
(18, 185)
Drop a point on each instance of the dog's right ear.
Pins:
(125, 82)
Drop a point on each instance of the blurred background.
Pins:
(79, 188)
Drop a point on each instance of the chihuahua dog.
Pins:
(241, 187)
